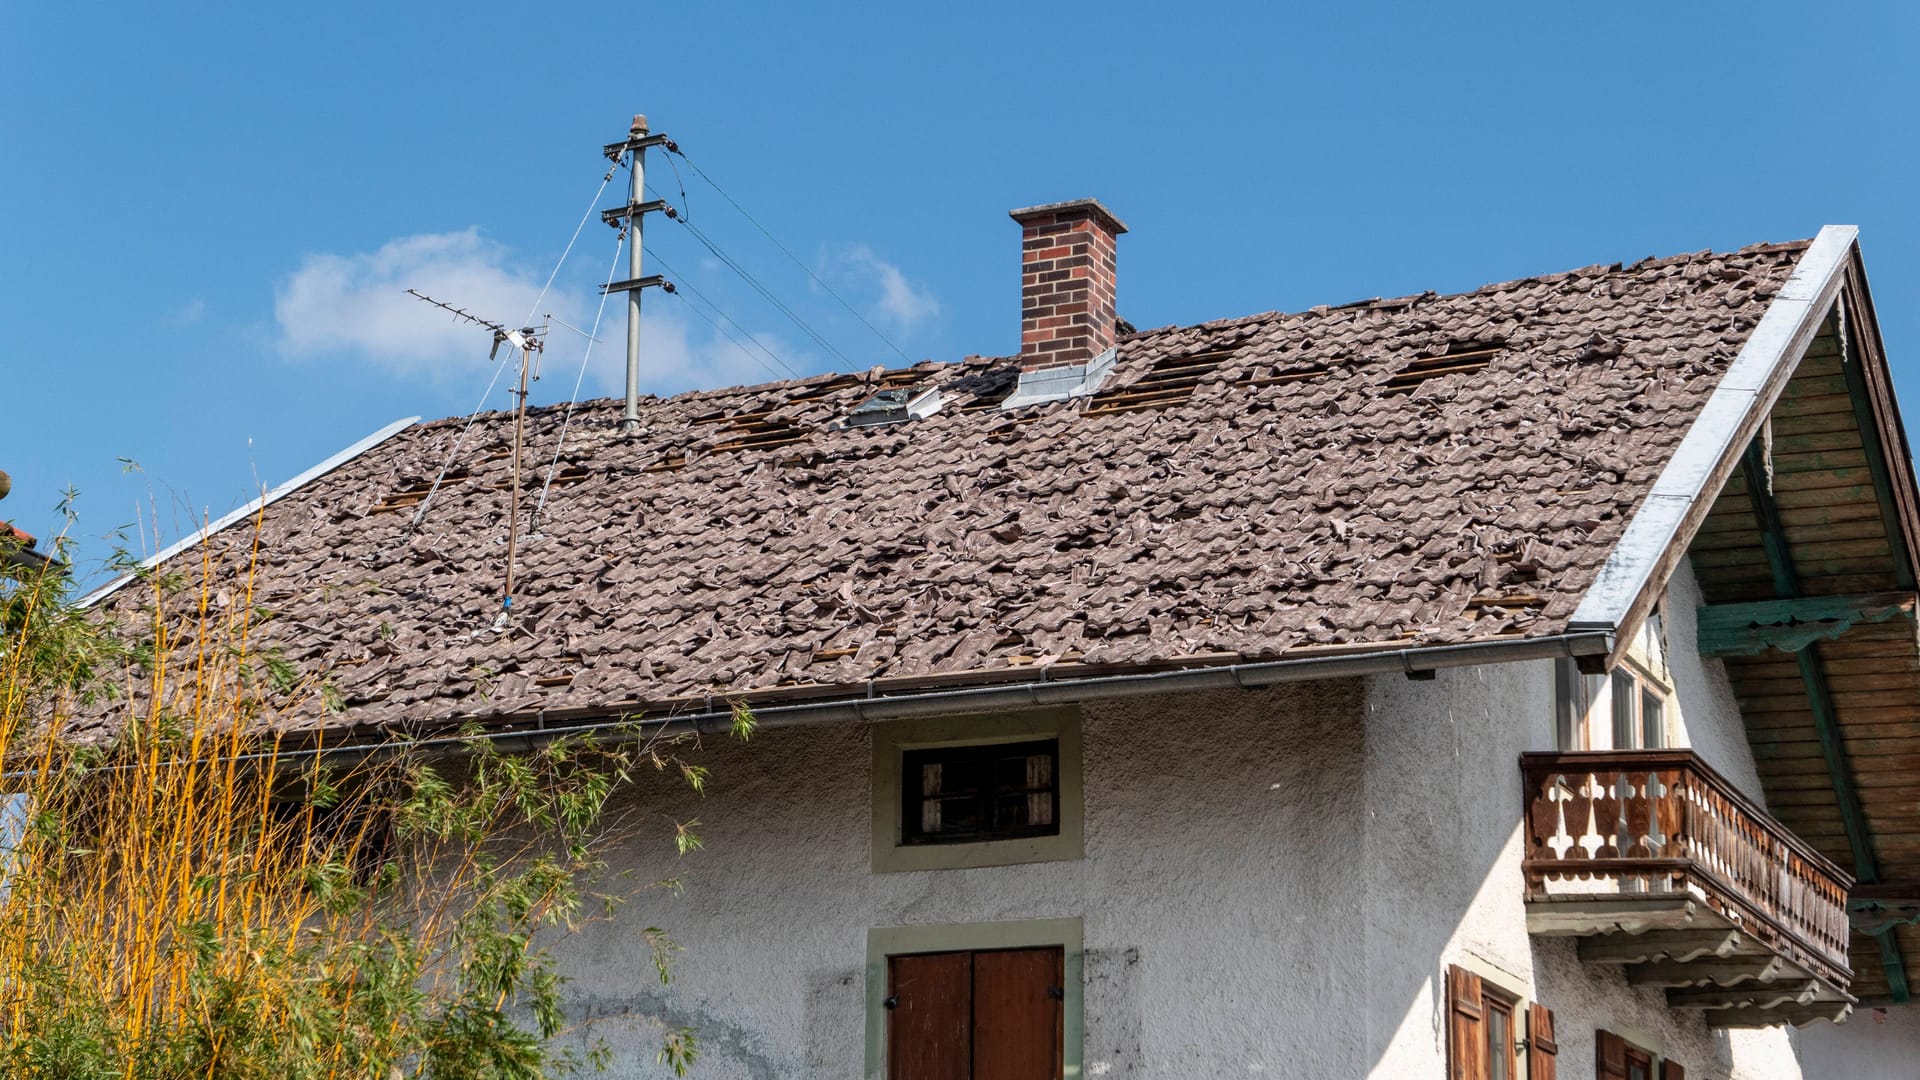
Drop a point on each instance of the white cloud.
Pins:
(890, 297)
(186, 314)
(357, 304)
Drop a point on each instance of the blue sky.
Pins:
(209, 213)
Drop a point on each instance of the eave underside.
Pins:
(1835, 733)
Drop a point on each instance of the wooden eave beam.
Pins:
(1846, 792)
(1794, 623)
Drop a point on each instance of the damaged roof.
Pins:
(1422, 471)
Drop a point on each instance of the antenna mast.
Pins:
(633, 215)
(528, 340)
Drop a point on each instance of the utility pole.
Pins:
(633, 215)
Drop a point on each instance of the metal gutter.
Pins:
(1039, 693)
(251, 508)
(1707, 454)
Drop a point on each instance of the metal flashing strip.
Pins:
(1719, 434)
(1060, 383)
(252, 507)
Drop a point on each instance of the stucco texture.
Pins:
(1273, 884)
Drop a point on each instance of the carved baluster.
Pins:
(1607, 813)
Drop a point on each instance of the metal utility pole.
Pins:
(633, 216)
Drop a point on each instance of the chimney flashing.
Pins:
(1060, 383)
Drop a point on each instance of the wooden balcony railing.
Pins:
(1661, 824)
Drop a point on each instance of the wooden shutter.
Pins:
(930, 1016)
(1541, 1049)
(1018, 1014)
(1671, 1070)
(1610, 1052)
(1466, 1026)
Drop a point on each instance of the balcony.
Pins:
(1658, 864)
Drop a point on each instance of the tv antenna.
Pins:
(530, 341)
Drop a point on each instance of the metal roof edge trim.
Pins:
(1750, 386)
(252, 507)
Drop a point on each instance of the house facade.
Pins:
(1519, 683)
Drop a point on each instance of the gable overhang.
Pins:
(1805, 547)
(251, 509)
(1635, 573)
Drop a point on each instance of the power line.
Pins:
(420, 514)
(767, 294)
(710, 321)
(718, 310)
(567, 419)
(702, 173)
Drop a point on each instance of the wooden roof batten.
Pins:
(1845, 536)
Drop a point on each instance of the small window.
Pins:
(965, 794)
(1639, 710)
(1487, 1028)
(953, 792)
(1499, 1036)
(1624, 710)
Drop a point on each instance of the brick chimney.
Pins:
(1066, 283)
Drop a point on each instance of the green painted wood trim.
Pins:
(885, 941)
(894, 737)
(1773, 532)
(1851, 361)
(1846, 793)
(1792, 624)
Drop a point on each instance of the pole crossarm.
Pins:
(614, 151)
(651, 281)
(619, 215)
(1794, 623)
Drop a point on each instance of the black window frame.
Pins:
(912, 795)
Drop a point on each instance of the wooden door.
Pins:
(930, 1016)
(1018, 1003)
(987, 1015)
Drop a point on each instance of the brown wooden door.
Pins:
(930, 1016)
(988, 1015)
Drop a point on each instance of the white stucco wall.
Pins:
(1876, 1044)
(1448, 851)
(1273, 884)
(1709, 713)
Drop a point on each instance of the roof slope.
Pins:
(1277, 485)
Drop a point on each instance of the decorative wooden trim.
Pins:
(1795, 623)
(1681, 834)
